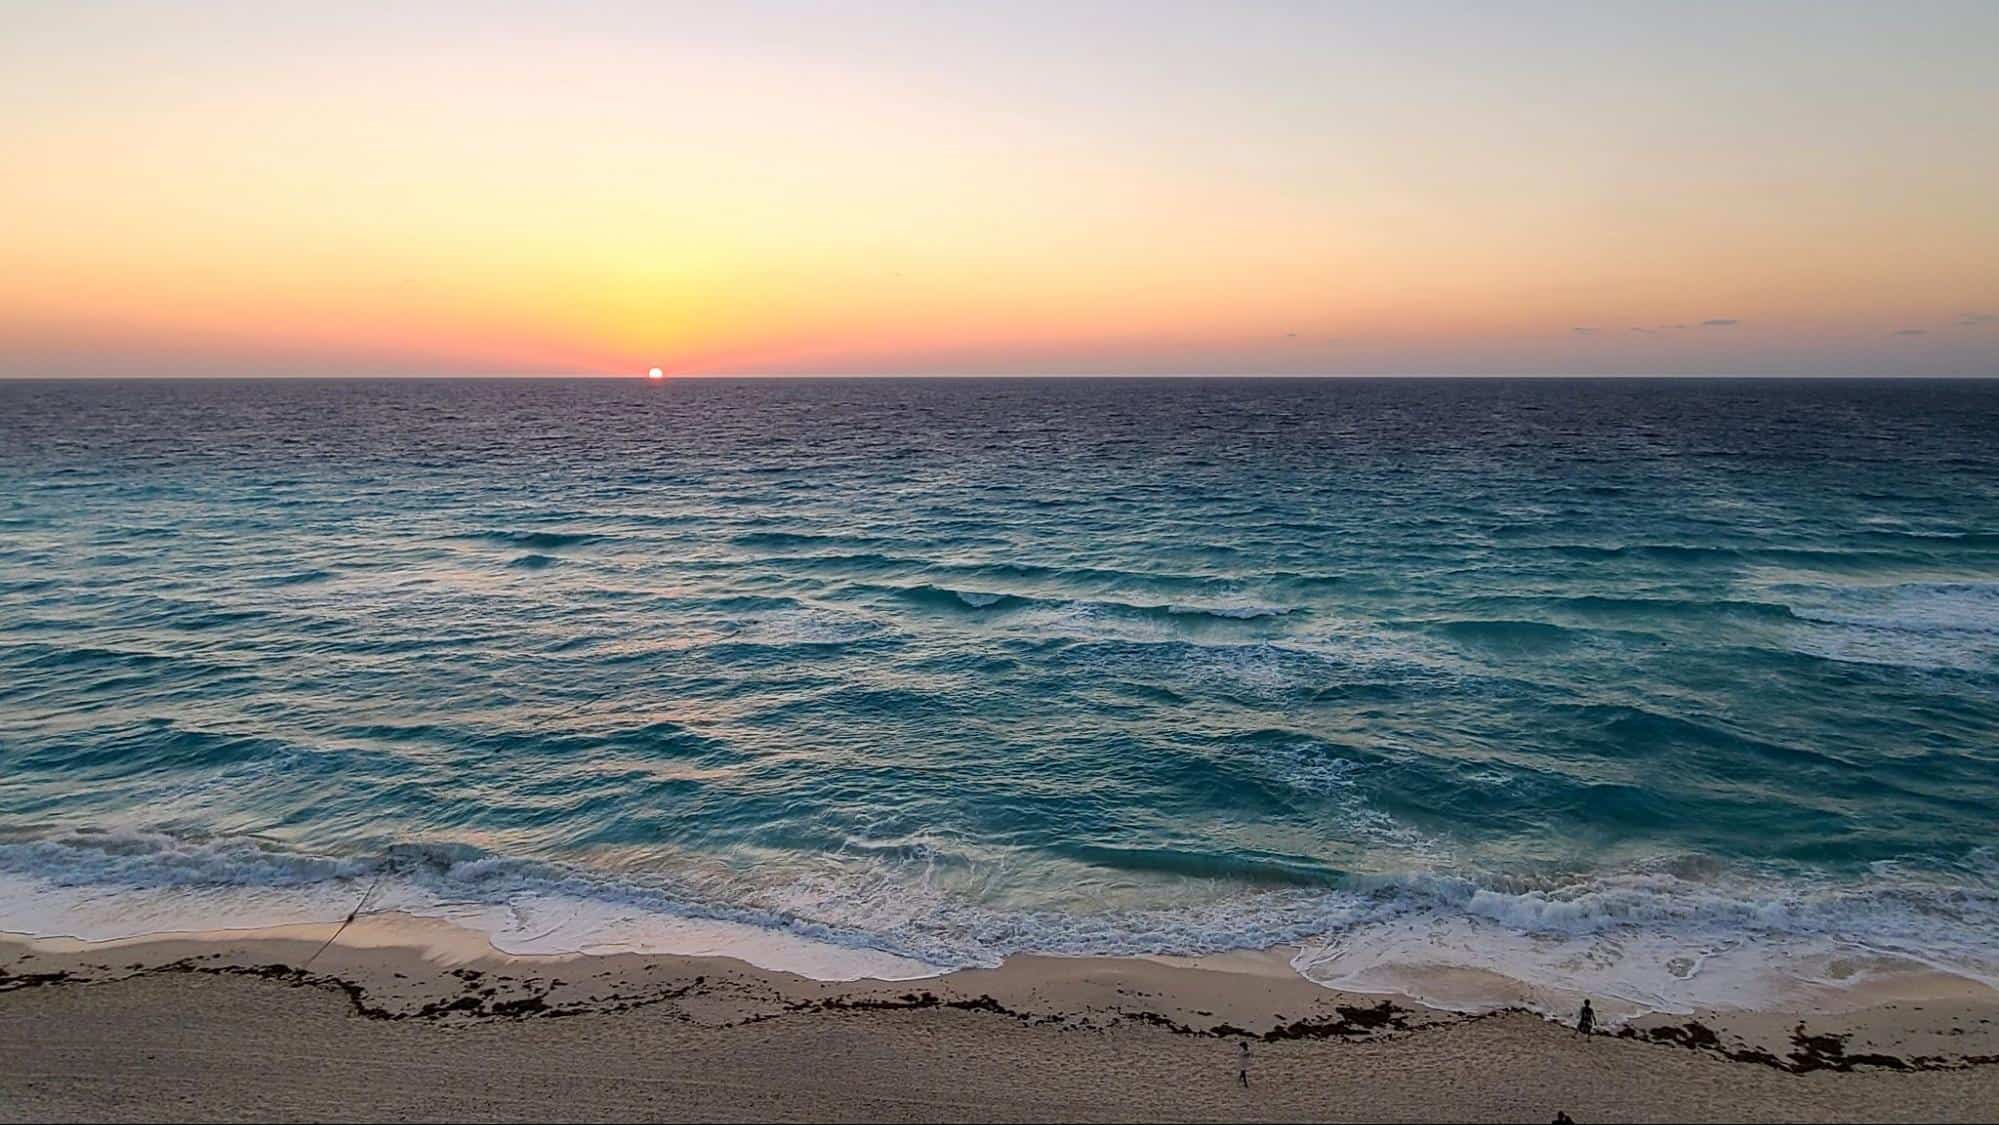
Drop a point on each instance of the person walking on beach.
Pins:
(1242, 1062)
(1585, 1019)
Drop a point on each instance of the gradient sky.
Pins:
(1313, 187)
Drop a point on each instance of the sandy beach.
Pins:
(404, 1019)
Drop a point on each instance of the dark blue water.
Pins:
(1606, 684)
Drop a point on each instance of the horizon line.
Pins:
(712, 376)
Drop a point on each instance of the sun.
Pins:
(655, 373)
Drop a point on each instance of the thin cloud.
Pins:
(1720, 322)
(1583, 331)
(1647, 331)
(1977, 320)
(1911, 332)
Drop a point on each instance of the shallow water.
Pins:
(1656, 689)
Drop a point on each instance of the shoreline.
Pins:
(407, 946)
(1928, 1051)
(1441, 954)
(1861, 982)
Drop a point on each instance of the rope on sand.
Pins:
(351, 915)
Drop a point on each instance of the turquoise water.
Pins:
(1651, 688)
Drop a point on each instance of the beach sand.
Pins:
(407, 1019)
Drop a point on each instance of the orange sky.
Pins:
(509, 189)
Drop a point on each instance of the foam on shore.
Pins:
(1640, 943)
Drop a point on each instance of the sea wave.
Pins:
(294, 578)
(1506, 631)
(1671, 935)
(538, 540)
(1926, 625)
(928, 595)
(1660, 609)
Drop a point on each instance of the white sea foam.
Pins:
(1239, 612)
(806, 625)
(115, 885)
(1929, 625)
(1651, 940)
(1965, 607)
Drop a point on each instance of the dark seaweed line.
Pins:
(1811, 1053)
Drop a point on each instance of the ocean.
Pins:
(1676, 692)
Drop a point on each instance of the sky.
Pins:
(1492, 187)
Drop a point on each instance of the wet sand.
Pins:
(408, 1020)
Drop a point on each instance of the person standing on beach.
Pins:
(1585, 1019)
(1242, 1062)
